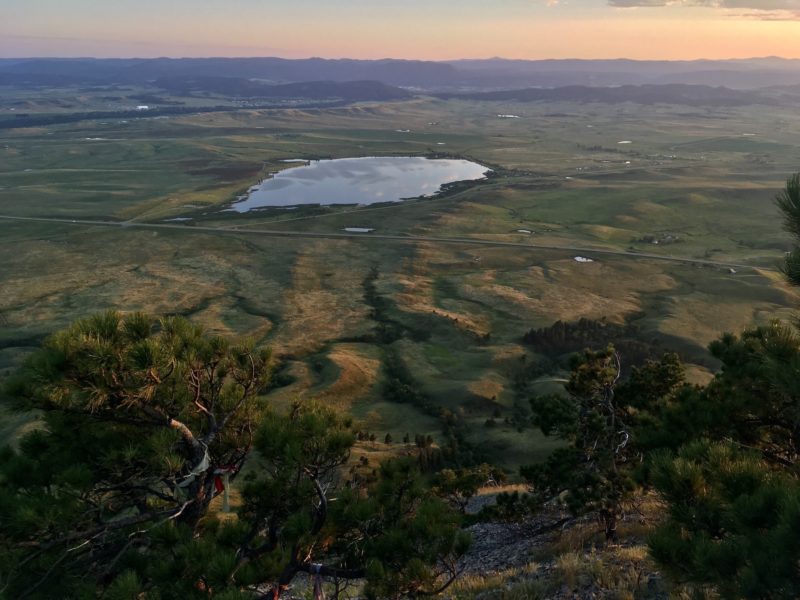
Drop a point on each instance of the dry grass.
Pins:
(621, 572)
(359, 369)
(323, 301)
(374, 453)
(610, 234)
(575, 539)
(502, 489)
(417, 290)
(577, 563)
(618, 576)
(489, 387)
(699, 318)
(510, 584)
(567, 290)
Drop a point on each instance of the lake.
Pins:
(359, 181)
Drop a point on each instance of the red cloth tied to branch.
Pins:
(219, 485)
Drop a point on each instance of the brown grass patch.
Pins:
(702, 318)
(489, 387)
(567, 290)
(358, 373)
(417, 293)
(610, 234)
(324, 301)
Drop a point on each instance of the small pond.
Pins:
(358, 181)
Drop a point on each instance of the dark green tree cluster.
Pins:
(143, 422)
(563, 338)
(733, 486)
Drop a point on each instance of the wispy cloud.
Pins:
(770, 10)
(770, 15)
(759, 5)
(638, 3)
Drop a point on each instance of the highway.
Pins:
(578, 250)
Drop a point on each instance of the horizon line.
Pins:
(388, 58)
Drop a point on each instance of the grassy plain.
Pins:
(699, 182)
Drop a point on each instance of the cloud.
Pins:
(772, 10)
(773, 15)
(637, 3)
(758, 5)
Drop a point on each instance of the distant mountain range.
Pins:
(266, 70)
(273, 82)
(463, 75)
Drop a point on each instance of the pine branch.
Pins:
(788, 202)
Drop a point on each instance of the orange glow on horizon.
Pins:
(653, 34)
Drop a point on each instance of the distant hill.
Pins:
(740, 74)
(274, 70)
(351, 91)
(463, 75)
(691, 95)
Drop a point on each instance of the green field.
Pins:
(694, 183)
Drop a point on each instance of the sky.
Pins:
(414, 29)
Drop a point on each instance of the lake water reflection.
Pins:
(359, 181)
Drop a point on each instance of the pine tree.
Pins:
(137, 417)
(733, 489)
(788, 202)
(732, 522)
(140, 421)
(600, 418)
(459, 486)
(300, 516)
(587, 471)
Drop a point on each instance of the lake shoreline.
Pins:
(361, 181)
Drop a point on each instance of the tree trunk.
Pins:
(200, 493)
(610, 524)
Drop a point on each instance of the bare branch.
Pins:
(321, 513)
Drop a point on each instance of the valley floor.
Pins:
(679, 223)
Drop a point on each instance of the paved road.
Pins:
(589, 252)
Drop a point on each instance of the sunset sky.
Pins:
(425, 29)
